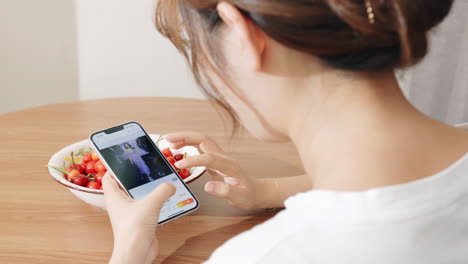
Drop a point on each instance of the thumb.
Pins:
(111, 189)
(158, 196)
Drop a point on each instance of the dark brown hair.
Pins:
(336, 31)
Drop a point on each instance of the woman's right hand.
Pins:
(229, 181)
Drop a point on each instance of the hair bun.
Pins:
(398, 36)
(413, 21)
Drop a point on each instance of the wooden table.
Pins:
(42, 222)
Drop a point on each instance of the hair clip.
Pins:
(370, 12)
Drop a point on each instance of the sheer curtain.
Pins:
(439, 85)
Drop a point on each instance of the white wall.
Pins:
(64, 50)
(122, 54)
(38, 63)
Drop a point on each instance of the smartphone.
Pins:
(139, 167)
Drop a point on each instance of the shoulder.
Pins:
(258, 244)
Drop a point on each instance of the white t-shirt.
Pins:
(424, 221)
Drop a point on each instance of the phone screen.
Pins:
(140, 167)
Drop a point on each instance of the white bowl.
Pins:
(96, 197)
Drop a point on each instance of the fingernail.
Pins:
(223, 16)
(210, 188)
(179, 163)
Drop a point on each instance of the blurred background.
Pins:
(55, 51)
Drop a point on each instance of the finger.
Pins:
(217, 189)
(219, 176)
(186, 137)
(177, 145)
(204, 142)
(159, 196)
(221, 163)
(215, 175)
(112, 190)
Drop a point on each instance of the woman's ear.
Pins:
(251, 39)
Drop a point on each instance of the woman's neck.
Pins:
(365, 134)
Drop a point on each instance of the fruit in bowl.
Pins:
(80, 170)
(88, 173)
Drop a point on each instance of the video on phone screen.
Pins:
(137, 158)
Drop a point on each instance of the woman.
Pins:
(384, 183)
(134, 155)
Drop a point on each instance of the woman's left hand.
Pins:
(134, 222)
